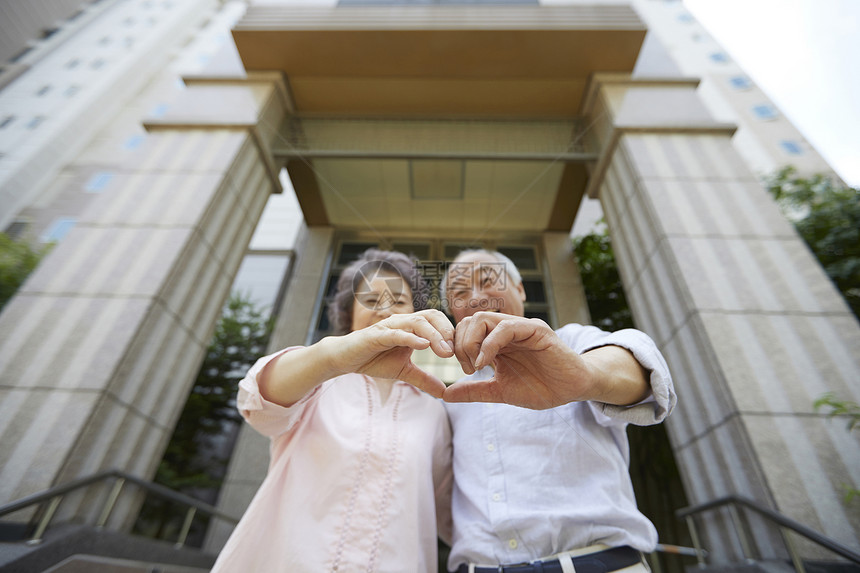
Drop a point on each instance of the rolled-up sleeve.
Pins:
(662, 399)
(266, 417)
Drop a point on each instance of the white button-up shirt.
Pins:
(532, 483)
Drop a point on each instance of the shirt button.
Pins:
(512, 543)
(497, 496)
(490, 447)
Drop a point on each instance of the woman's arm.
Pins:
(382, 350)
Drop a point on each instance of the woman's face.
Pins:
(378, 297)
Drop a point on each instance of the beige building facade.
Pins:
(422, 128)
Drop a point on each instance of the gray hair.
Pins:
(373, 260)
(510, 269)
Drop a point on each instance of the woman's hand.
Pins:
(383, 350)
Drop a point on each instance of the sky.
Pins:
(805, 55)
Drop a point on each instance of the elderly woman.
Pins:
(360, 469)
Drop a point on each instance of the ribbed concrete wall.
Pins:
(753, 330)
(102, 343)
(250, 458)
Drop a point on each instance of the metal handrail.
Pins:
(55, 494)
(776, 517)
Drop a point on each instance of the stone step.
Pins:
(99, 564)
(63, 544)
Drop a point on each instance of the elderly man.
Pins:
(540, 450)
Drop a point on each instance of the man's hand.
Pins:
(535, 369)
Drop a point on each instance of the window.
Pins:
(261, 278)
(58, 230)
(765, 111)
(98, 182)
(159, 110)
(719, 57)
(16, 229)
(685, 18)
(73, 63)
(740, 82)
(97, 63)
(528, 263)
(43, 90)
(133, 142)
(71, 91)
(791, 147)
(6, 121)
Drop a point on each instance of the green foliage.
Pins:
(837, 407)
(827, 216)
(17, 261)
(239, 340)
(196, 458)
(603, 289)
(850, 411)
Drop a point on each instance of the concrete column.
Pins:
(752, 328)
(564, 281)
(250, 459)
(102, 344)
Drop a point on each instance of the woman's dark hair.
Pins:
(366, 265)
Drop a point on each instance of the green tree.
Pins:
(827, 216)
(17, 261)
(601, 281)
(196, 458)
(850, 411)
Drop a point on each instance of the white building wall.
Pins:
(766, 143)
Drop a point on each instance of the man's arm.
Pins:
(535, 369)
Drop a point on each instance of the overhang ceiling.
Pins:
(437, 63)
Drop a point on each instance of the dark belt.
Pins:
(600, 562)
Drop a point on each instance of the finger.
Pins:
(441, 323)
(442, 334)
(430, 327)
(508, 331)
(422, 380)
(503, 334)
(471, 338)
(394, 337)
(473, 391)
(465, 347)
(426, 326)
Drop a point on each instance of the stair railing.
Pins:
(785, 524)
(55, 495)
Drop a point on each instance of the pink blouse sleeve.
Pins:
(266, 417)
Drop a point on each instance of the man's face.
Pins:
(478, 282)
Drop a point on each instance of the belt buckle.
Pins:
(509, 566)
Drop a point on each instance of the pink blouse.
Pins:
(353, 484)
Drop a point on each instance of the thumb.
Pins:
(422, 380)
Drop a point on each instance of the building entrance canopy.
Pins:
(410, 116)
